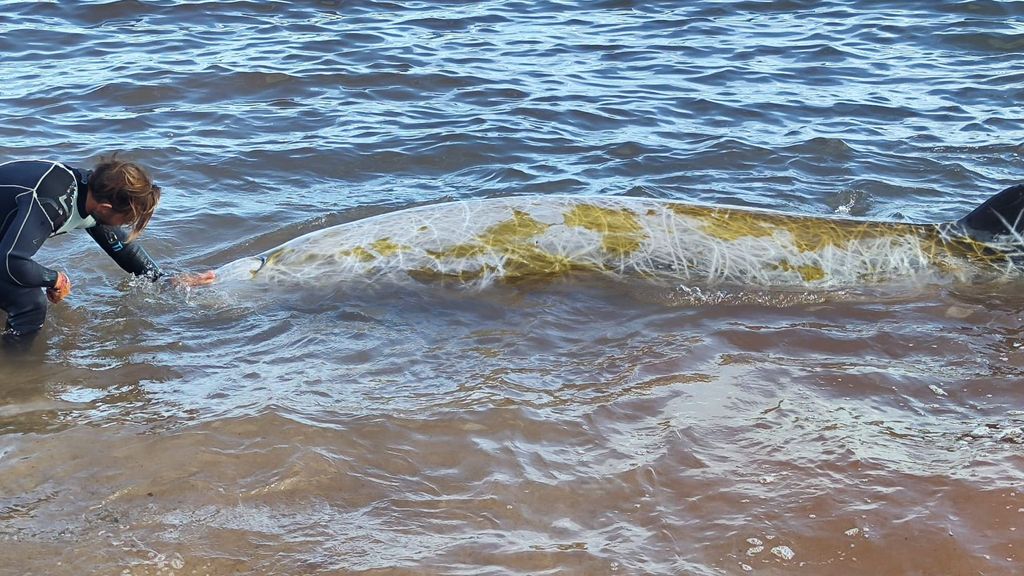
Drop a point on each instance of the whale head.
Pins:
(241, 269)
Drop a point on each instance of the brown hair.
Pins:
(129, 190)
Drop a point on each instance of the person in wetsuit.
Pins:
(40, 199)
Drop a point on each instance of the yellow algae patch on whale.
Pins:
(467, 250)
(500, 238)
(512, 242)
(359, 253)
(521, 257)
(811, 235)
(387, 247)
(726, 224)
(972, 250)
(382, 247)
(620, 229)
(426, 275)
(807, 272)
(806, 234)
(530, 260)
(521, 226)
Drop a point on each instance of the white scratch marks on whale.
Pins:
(478, 242)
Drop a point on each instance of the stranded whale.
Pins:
(477, 242)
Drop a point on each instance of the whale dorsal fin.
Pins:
(1000, 215)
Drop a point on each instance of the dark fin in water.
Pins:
(1000, 215)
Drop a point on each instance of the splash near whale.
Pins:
(483, 241)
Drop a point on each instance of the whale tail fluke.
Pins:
(1000, 215)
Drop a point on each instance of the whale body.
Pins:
(482, 241)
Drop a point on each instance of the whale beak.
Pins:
(244, 269)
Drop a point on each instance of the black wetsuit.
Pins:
(38, 200)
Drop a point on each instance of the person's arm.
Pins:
(130, 256)
(26, 232)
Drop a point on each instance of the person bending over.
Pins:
(40, 199)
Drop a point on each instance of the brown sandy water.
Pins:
(569, 429)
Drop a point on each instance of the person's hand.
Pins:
(189, 280)
(60, 290)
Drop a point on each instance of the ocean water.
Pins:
(569, 427)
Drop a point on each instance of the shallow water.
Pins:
(579, 426)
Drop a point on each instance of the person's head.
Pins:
(123, 194)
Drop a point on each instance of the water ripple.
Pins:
(574, 427)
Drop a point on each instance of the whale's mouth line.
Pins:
(263, 262)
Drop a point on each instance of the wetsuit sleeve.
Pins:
(26, 232)
(130, 256)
